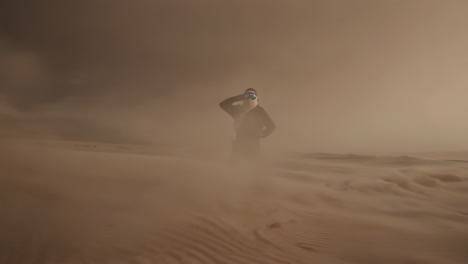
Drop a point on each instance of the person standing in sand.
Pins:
(251, 122)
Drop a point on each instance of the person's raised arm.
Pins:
(227, 105)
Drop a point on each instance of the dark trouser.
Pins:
(246, 147)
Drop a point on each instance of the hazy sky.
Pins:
(335, 75)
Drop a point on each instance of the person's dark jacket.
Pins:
(251, 125)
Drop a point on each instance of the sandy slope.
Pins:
(96, 203)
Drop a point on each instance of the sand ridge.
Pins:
(74, 203)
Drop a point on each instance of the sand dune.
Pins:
(75, 202)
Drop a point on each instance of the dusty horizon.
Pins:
(336, 76)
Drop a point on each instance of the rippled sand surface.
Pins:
(97, 203)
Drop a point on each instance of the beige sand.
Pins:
(71, 202)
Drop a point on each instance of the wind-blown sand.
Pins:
(71, 202)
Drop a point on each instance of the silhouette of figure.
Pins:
(251, 123)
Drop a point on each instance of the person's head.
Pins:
(250, 98)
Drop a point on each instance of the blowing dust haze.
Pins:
(114, 147)
(337, 76)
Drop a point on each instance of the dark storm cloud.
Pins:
(157, 69)
(88, 48)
